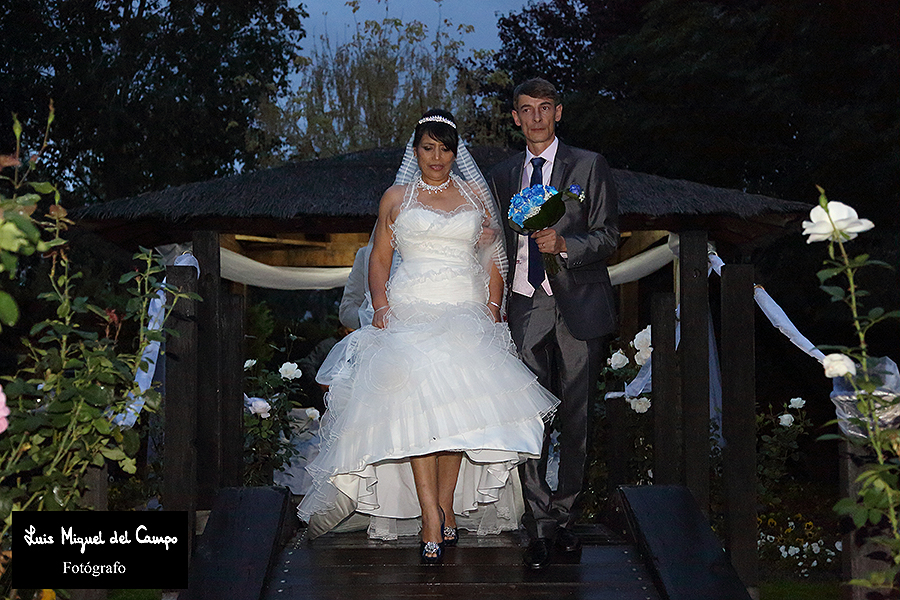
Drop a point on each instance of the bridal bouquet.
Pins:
(539, 207)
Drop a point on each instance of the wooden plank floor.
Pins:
(350, 566)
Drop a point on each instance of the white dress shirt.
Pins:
(520, 283)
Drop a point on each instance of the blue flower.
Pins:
(575, 189)
(528, 202)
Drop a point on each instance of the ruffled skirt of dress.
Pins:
(439, 377)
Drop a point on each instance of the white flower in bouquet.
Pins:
(639, 405)
(249, 363)
(797, 403)
(617, 360)
(786, 420)
(260, 407)
(834, 221)
(313, 414)
(289, 370)
(838, 365)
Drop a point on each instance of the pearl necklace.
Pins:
(433, 189)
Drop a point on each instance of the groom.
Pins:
(561, 323)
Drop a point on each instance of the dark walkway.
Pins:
(349, 566)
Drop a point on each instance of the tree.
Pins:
(369, 91)
(148, 93)
(767, 96)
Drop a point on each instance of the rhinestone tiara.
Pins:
(437, 119)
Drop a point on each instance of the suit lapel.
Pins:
(562, 166)
(514, 186)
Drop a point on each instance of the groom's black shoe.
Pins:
(537, 554)
(566, 541)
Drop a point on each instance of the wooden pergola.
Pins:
(318, 213)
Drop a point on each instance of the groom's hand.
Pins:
(549, 242)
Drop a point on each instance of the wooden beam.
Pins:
(694, 356)
(739, 420)
(232, 416)
(668, 453)
(209, 355)
(180, 404)
(275, 240)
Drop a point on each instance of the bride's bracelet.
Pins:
(494, 304)
(382, 308)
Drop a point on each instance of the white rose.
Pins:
(313, 414)
(617, 360)
(249, 363)
(260, 407)
(642, 339)
(838, 223)
(639, 405)
(786, 420)
(289, 370)
(797, 403)
(642, 355)
(838, 365)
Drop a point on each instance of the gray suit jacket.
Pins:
(582, 288)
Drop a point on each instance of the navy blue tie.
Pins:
(535, 261)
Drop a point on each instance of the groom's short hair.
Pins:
(536, 88)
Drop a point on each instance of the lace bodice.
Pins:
(437, 250)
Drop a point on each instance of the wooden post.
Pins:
(739, 421)
(209, 381)
(618, 439)
(180, 408)
(232, 341)
(694, 356)
(668, 454)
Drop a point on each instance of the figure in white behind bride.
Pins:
(428, 410)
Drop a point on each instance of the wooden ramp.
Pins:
(349, 566)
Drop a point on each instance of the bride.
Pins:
(428, 410)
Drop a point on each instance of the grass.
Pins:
(799, 590)
(134, 595)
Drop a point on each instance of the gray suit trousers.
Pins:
(569, 368)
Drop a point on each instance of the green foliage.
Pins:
(878, 498)
(370, 91)
(151, 93)
(767, 97)
(74, 376)
(269, 426)
(776, 449)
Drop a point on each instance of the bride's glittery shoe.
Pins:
(431, 552)
(451, 536)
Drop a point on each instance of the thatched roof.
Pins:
(341, 194)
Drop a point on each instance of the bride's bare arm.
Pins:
(495, 293)
(383, 252)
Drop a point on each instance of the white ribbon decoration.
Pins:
(144, 379)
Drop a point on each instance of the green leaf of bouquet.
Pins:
(551, 212)
(9, 311)
(894, 314)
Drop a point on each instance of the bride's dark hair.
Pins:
(442, 132)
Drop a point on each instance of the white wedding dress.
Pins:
(442, 375)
